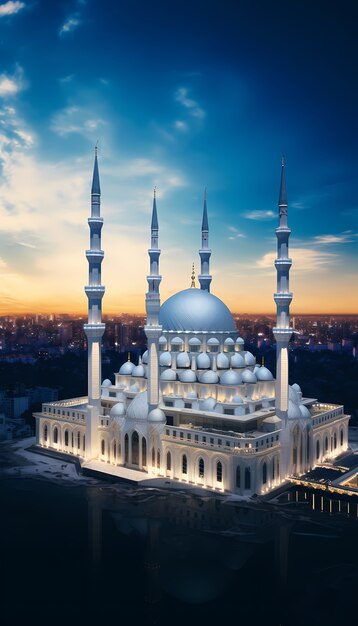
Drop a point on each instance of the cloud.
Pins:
(11, 85)
(11, 8)
(75, 119)
(191, 105)
(259, 215)
(180, 125)
(305, 260)
(66, 79)
(235, 233)
(329, 239)
(70, 24)
(25, 245)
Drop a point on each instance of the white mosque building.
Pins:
(197, 408)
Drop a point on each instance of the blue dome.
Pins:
(195, 310)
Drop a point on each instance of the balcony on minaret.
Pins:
(283, 297)
(283, 262)
(95, 291)
(95, 256)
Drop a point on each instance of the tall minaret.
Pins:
(94, 329)
(205, 252)
(283, 297)
(153, 330)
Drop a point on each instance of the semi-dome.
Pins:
(157, 415)
(249, 359)
(139, 371)
(168, 374)
(208, 404)
(222, 361)
(203, 361)
(195, 310)
(304, 410)
(106, 383)
(229, 342)
(183, 359)
(293, 410)
(187, 376)
(162, 340)
(194, 341)
(292, 395)
(237, 399)
(165, 359)
(209, 377)
(145, 357)
(263, 373)
(248, 377)
(138, 408)
(127, 368)
(239, 341)
(296, 387)
(237, 360)
(230, 377)
(118, 410)
(191, 395)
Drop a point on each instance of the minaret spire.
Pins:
(153, 330)
(283, 297)
(94, 329)
(205, 252)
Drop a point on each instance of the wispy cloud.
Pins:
(346, 237)
(10, 85)
(71, 23)
(66, 79)
(193, 108)
(25, 245)
(235, 234)
(11, 8)
(180, 125)
(75, 119)
(305, 260)
(259, 215)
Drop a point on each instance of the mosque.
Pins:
(197, 408)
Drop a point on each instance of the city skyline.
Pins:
(160, 122)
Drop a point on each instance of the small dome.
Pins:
(165, 359)
(248, 377)
(145, 357)
(237, 399)
(138, 408)
(293, 410)
(168, 374)
(209, 377)
(296, 387)
(139, 371)
(213, 341)
(183, 359)
(191, 395)
(239, 341)
(203, 361)
(237, 360)
(304, 410)
(222, 361)
(229, 342)
(272, 419)
(208, 404)
(118, 410)
(249, 359)
(194, 341)
(177, 341)
(120, 396)
(263, 373)
(187, 376)
(162, 340)
(230, 377)
(157, 415)
(106, 383)
(127, 368)
(292, 395)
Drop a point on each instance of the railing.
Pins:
(236, 445)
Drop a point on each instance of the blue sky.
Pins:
(182, 95)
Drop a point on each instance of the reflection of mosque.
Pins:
(205, 553)
(197, 408)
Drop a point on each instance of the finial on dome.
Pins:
(154, 191)
(283, 160)
(192, 277)
(282, 202)
(129, 357)
(262, 361)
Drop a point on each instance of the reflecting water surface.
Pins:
(100, 552)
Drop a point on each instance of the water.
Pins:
(97, 553)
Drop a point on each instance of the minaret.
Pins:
(283, 297)
(153, 330)
(205, 252)
(94, 329)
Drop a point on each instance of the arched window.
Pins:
(308, 447)
(278, 468)
(135, 448)
(66, 437)
(342, 437)
(114, 450)
(201, 468)
(335, 440)
(45, 432)
(79, 440)
(238, 476)
(273, 468)
(184, 464)
(84, 443)
(317, 449)
(247, 478)
(126, 448)
(326, 443)
(158, 459)
(103, 447)
(264, 474)
(219, 472)
(72, 440)
(144, 452)
(55, 435)
(153, 457)
(169, 461)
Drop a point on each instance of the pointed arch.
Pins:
(169, 461)
(144, 452)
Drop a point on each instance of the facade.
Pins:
(197, 408)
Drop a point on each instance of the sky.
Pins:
(182, 96)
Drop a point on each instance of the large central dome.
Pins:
(196, 310)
